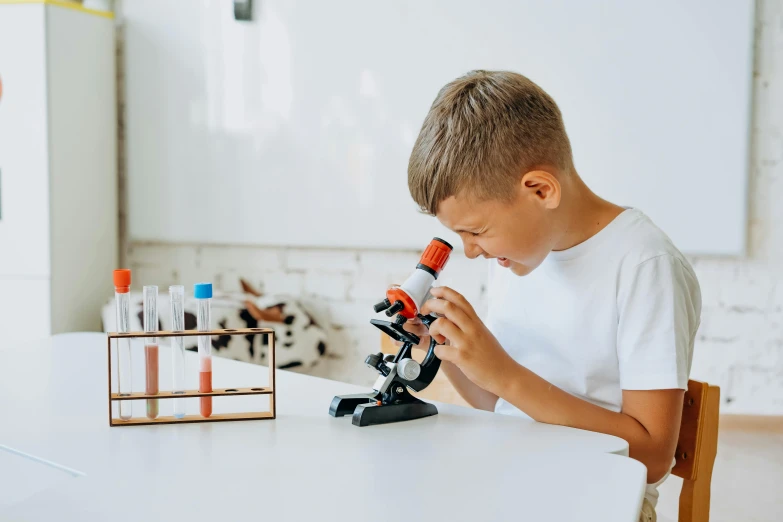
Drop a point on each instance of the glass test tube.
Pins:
(177, 300)
(122, 281)
(151, 349)
(203, 293)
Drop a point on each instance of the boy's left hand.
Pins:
(471, 347)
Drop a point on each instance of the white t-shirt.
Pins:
(617, 312)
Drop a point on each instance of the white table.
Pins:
(461, 464)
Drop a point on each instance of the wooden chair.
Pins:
(696, 449)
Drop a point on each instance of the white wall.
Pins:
(739, 346)
(238, 113)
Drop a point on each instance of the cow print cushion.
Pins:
(301, 340)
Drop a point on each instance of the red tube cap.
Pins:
(122, 280)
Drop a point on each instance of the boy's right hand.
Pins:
(416, 327)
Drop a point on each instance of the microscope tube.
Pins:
(203, 293)
(151, 349)
(177, 299)
(122, 281)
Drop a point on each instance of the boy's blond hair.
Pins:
(482, 133)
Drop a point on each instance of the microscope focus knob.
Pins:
(383, 305)
(397, 306)
(409, 369)
(373, 360)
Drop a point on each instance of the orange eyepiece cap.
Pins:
(436, 255)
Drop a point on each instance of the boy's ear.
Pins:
(543, 187)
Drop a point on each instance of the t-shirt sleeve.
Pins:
(659, 308)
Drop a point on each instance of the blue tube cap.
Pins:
(202, 290)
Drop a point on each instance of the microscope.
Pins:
(390, 400)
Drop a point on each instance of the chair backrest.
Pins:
(697, 447)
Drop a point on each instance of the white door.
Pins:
(24, 187)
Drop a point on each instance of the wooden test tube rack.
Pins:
(216, 392)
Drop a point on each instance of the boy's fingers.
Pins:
(443, 329)
(445, 352)
(444, 292)
(447, 309)
(424, 341)
(414, 327)
(419, 330)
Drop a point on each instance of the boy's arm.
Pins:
(649, 420)
(476, 396)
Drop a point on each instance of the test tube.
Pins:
(151, 349)
(177, 299)
(203, 294)
(122, 282)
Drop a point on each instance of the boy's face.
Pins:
(519, 233)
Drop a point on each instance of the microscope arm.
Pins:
(429, 365)
(429, 369)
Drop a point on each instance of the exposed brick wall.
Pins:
(343, 283)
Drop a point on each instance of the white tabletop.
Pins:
(460, 464)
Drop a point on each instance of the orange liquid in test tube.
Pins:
(151, 363)
(151, 350)
(205, 385)
(203, 294)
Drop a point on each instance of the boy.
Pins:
(598, 332)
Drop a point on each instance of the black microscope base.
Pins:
(346, 404)
(367, 412)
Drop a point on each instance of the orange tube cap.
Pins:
(122, 280)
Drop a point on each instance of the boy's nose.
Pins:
(472, 251)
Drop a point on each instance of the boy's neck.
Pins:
(583, 214)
